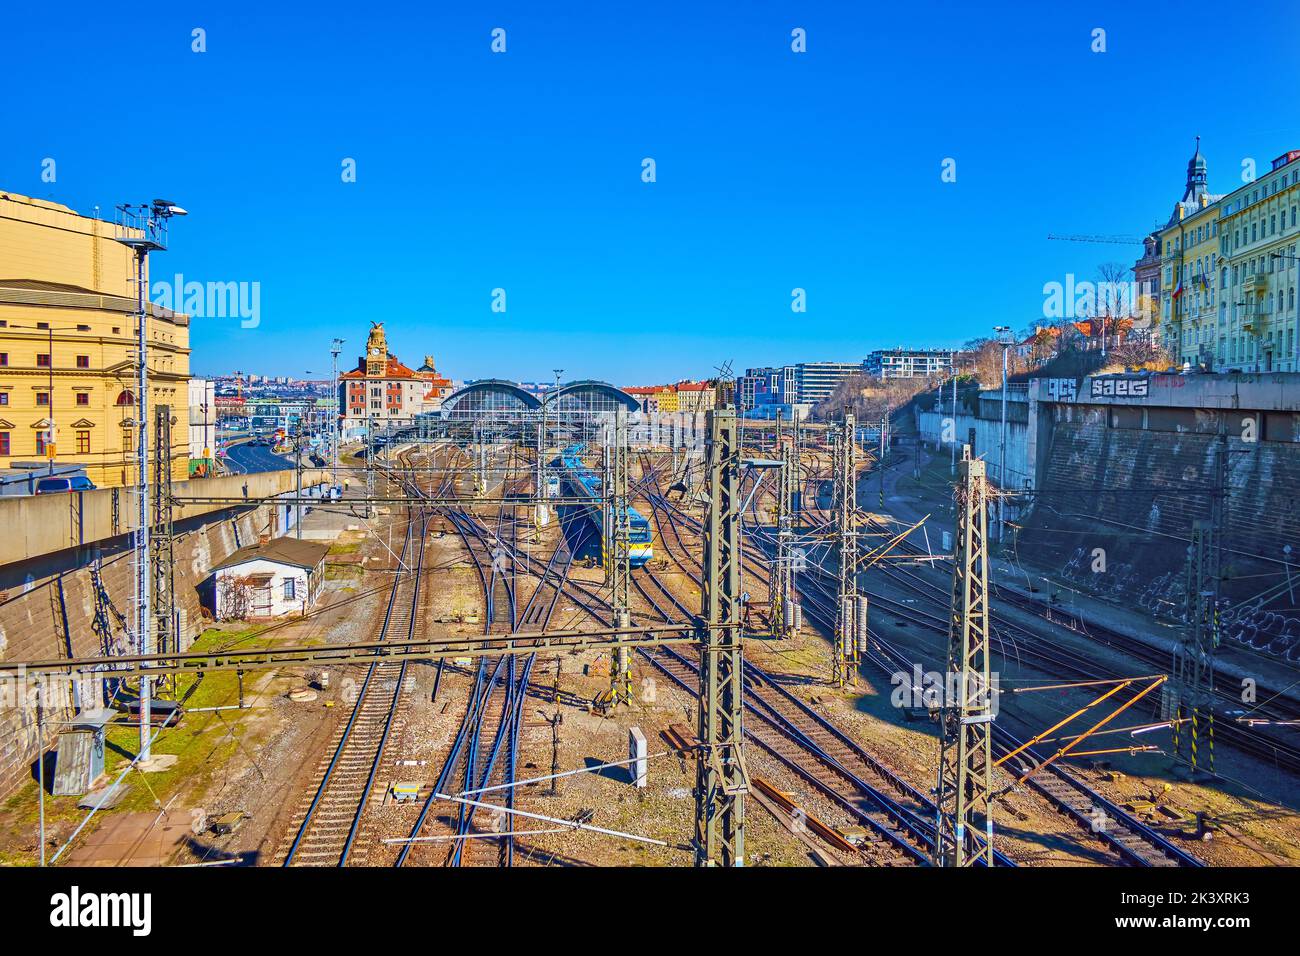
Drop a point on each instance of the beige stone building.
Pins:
(68, 344)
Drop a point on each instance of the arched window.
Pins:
(126, 397)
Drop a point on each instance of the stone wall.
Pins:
(48, 608)
(1133, 488)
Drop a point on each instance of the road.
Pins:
(243, 458)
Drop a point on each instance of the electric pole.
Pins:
(721, 777)
(785, 617)
(964, 835)
(1193, 690)
(618, 558)
(162, 539)
(845, 462)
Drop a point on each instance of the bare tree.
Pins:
(235, 596)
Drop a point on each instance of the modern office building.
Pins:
(908, 363)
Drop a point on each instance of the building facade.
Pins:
(815, 381)
(908, 363)
(68, 347)
(380, 390)
(1189, 246)
(1229, 271)
(436, 385)
(1259, 269)
(203, 426)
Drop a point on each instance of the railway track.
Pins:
(483, 757)
(900, 819)
(1100, 818)
(326, 829)
(1065, 662)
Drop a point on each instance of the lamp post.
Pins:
(1004, 336)
(143, 228)
(953, 363)
(336, 347)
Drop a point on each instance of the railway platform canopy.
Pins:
(496, 399)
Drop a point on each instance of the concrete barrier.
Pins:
(45, 524)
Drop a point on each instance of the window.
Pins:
(42, 398)
(125, 398)
(83, 443)
(290, 589)
(117, 330)
(42, 325)
(4, 443)
(128, 441)
(4, 358)
(40, 443)
(83, 361)
(83, 398)
(4, 398)
(83, 328)
(42, 360)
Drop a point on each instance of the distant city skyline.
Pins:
(522, 171)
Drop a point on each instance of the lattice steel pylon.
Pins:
(1194, 653)
(964, 835)
(162, 554)
(844, 467)
(721, 780)
(1193, 671)
(781, 579)
(618, 558)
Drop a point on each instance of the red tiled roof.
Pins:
(395, 369)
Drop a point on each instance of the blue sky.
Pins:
(522, 170)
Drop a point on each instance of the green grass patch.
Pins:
(343, 572)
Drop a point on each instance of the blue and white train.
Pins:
(581, 482)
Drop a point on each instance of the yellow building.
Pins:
(67, 346)
(1259, 229)
(666, 400)
(1189, 290)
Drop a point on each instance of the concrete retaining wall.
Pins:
(49, 599)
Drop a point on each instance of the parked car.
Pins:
(54, 485)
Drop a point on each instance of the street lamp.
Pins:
(143, 229)
(336, 347)
(1004, 337)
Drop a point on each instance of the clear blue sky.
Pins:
(523, 171)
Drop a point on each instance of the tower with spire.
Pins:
(1198, 179)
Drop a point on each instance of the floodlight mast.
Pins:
(143, 229)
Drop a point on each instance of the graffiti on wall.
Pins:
(1248, 624)
(1120, 387)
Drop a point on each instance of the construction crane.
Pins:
(1122, 240)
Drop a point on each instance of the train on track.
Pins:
(581, 482)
